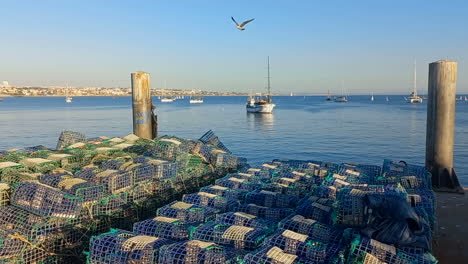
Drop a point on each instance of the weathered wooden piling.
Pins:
(142, 111)
(441, 124)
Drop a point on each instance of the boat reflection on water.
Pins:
(264, 122)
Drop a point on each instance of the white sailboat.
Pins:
(372, 97)
(343, 98)
(386, 99)
(261, 104)
(68, 98)
(414, 98)
(167, 99)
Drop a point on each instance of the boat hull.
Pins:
(263, 108)
(196, 101)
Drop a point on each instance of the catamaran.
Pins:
(261, 104)
(414, 98)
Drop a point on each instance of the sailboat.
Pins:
(261, 104)
(68, 99)
(329, 96)
(414, 98)
(386, 99)
(167, 99)
(372, 97)
(343, 98)
(466, 98)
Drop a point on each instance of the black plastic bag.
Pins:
(392, 220)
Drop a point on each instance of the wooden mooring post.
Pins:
(144, 124)
(441, 125)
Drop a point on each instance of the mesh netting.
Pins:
(273, 255)
(265, 212)
(195, 251)
(189, 213)
(235, 194)
(313, 229)
(164, 227)
(271, 199)
(210, 200)
(68, 138)
(240, 237)
(45, 200)
(118, 246)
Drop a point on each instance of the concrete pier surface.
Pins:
(450, 243)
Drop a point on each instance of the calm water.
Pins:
(359, 131)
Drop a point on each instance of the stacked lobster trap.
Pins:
(289, 211)
(53, 201)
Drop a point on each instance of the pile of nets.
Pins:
(53, 201)
(289, 211)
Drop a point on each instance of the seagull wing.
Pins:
(234, 21)
(248, 21)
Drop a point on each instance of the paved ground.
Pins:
(450, 243)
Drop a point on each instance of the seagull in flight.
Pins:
(241, 26)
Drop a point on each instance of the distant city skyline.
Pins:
(313, 46)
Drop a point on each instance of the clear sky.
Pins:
(313, 46)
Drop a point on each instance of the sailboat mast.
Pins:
(414, 79)
(269, 95)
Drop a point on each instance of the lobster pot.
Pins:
(372, 171)
(164, 169)
(164, 227)
(195, 252)
(349, 210)
(297, 190)
(10, 246)
(210, 200)
(113, 164)
(29, 226)
(67, 138)
(393, 168)
(271, 199)
(36, 256)
(109, 205)
(5, 192)
(190, 213)
(119, 246)
(88, 173)
(235, 194)
(302, 246)
(274, 214)
(143, 172)
(316, 211)
(365, 250)
(141, 192)
(90, 193)
(210, 138)
(239, 237)
(243, 219)
(115, 181)
(167, 148)
(273, 255)
(313, 229)
(45, 200)
(236, 183)
(223, 159)
(39, 165)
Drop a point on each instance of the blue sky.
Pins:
(313, 46)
